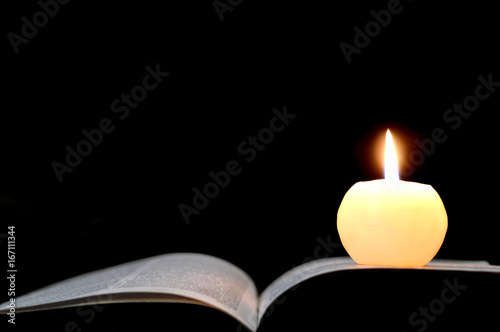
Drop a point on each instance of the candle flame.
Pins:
(390, 158)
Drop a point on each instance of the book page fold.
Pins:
(334, 264)
(180, 277)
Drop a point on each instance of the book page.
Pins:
(334, 264)
(180, 277)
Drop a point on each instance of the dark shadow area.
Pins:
(127, 317)
(388, 301)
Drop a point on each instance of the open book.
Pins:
(198, 279)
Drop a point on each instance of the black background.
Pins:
(121, 202)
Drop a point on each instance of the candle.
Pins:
(392, 222)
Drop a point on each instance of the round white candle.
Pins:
(392, 222)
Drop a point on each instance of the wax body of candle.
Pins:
(392, 222)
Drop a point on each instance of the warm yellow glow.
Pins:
(392, 222)
(390, 158)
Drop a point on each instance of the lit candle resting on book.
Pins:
(392, 222)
